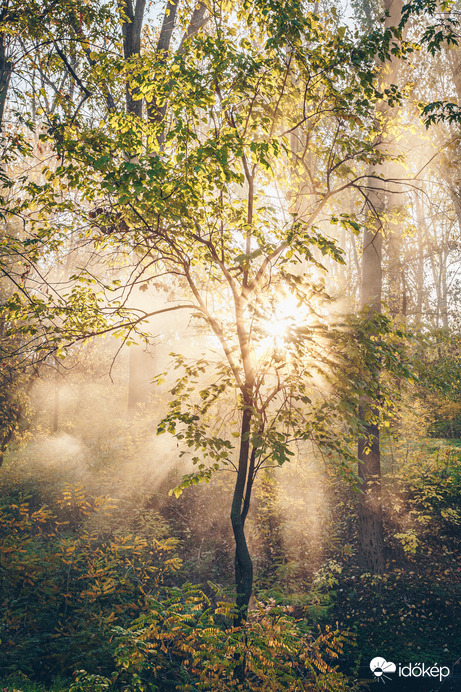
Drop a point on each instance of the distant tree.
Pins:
(370, 519)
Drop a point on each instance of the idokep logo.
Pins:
(380, 667)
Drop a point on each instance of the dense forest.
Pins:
(230, 335)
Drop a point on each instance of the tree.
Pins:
(191, 192)
(29, 31)
(211, 191)
(370, 520)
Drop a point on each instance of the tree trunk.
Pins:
(140, 375)
(55, 424)
(132, 20)
(370, 513)
(243, 562)
(5, 75)
(395, 278)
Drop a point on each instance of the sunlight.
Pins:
(230, 345)
(287, 312)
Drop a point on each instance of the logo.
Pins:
(379, 667)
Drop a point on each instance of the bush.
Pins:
(183, 643)
(65, 584)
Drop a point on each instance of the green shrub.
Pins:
(183, 643)
(64, 584)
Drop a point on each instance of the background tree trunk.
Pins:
(5, 76)
(370, 512)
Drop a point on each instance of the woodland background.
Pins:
(230, 369)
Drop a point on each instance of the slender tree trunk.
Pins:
(5, 76)
(370, 514)
(55, 425)
(132, 21)
(420, 263)
(395, 266)
(132, 16)
(420, 284)
(444, 288)
(140, 375)
(437, 259)
(243, 561)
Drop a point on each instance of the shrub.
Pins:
(64, 584)
(183, 643)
